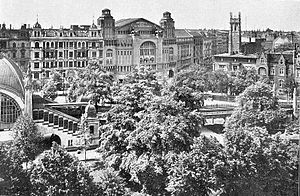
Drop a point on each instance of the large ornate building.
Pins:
(117, 46)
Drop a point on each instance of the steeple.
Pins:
(235, 34)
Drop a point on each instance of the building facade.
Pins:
(117, 46)
(15, 44)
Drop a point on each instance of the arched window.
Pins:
(262, 71)
(83, 44)
(171, 73)
(36, 45)
(109, 53)
(79, 44)
(47, 45)
(281, 83)
(272, 71)
(281, 72)
(23, 45)
(9, 109)
(14, 45)
(147, 51)
(52, 44)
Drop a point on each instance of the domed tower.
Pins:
(235, 36)
(37, 28)
(107, 24)
(168, 24)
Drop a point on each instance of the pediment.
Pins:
(136, 23)
(281, 60)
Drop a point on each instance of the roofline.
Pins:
(15, 68)
(117, 27)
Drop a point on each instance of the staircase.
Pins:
(52, 121)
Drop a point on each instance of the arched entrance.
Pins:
(49, 139)
(147, 53)
(262, 71)
(171, 73)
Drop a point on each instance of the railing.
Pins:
(219, 106)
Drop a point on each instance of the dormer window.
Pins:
(281, 72)
(272, 71)
(281, 61)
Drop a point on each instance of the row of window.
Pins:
(69, 44)
(124, 52)
(71, 54)
(60, 64)
(60, 34)
(22, 52)
(14, 45)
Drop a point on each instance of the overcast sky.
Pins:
(256, 14)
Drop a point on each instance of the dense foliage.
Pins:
(51, 85)
(93, 83)
(258, 107)
(260, 162)
(58, 173)
(151, 143)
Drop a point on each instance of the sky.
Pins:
(196, 14)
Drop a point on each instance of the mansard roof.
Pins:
(182, 33)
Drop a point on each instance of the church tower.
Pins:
(235, 34)
(167, 23)
(28, 93)
(107, 24)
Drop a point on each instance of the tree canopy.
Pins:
(260, 162)
(92, 82)
(257, 107)
(58, 173)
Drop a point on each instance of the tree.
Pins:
(289, 85)
(218, 81)
(199, 171)
(260, 163)
(27, 140)
(52, 85)
(14, 180)
(144, 125)
(257, 107)
(58, 173)
(25, 146)
(241, 79)
(194, 78)
(92, 82)
(109, 182)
